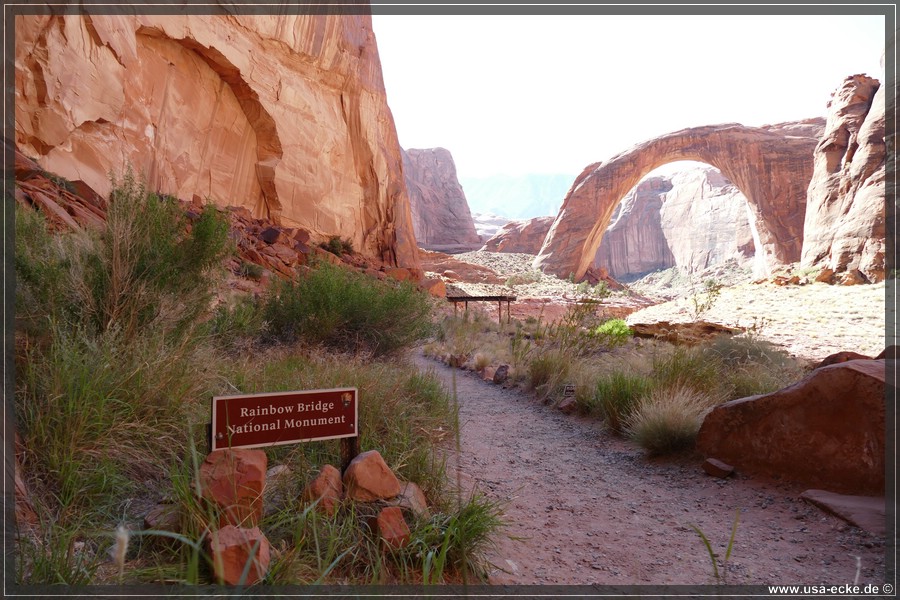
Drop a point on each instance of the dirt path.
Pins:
(585, 507)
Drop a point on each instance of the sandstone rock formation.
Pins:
(440, 213)
(770, 165)
(827, 430)
(520, 236)
(634, 241)
(706, 221)
(285, 115)
(845, 223)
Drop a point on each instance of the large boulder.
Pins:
(825, 431)
(284, 114)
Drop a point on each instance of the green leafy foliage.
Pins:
(347, 310)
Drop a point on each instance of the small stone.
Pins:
(392, 527)
(412, 499)
(163, 517)
(233, 480)
(232, 548)
(488, 373)
(568, 406)
(327, 488)
(717, 468)
(368, 478)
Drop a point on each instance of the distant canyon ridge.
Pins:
(287, 116)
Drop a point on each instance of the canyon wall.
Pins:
(440, 213)
(525, 237)
(284, 115)
(844, 231)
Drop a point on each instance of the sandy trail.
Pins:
(585, 507)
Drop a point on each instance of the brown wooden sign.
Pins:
(256, 420)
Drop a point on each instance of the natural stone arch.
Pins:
(771, 166)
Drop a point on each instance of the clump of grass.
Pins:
(345, 309)
(615, 396)
(547, 371)
(668, 419)
(251, 270)
(690, 367)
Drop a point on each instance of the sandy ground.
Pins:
(809, 321)
(585, 507)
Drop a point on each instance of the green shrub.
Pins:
(338, 246)
(240, 319)
(614, 332)
(615, 396)
(347, 310)
(668, 419)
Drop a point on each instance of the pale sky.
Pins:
(551, 94)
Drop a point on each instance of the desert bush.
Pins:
(615, 396)
(523, 278)
(347, 310)
(702, 300)
(241, 318)
(338, 246)
(668, 419)
(614, 332)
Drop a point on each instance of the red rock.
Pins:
(844, 228)
(368, 478)
(450, 275)
(392, 527)
(865, 512)
(233, 480)
(327, 488)
(435, 287)
(769, 165)
(687, 334)
(717, 468)
(524, 237)
(488, 373)
(330, 164)
(440, 212)
(398, 273)
(827, 430)
(235, 549)
(840, 357)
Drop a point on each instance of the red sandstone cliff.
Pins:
(285, 115)
(440, 213)
(845, 225)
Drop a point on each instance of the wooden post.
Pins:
(349, 451)
(500, 312)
